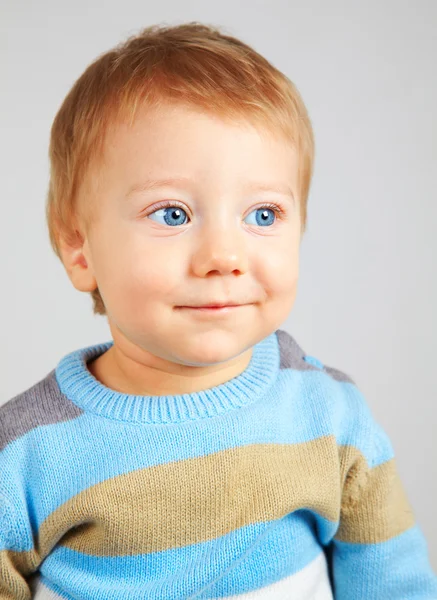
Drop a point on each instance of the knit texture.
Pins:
(277, 484)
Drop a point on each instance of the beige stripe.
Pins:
(199, 499)
(375, 507)
(12, 585)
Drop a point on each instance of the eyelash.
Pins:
(170, 203)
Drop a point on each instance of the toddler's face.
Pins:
(215, 243)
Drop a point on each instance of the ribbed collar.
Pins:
(82, 388)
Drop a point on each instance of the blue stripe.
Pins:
(300, 408)
(355, 426)
(393, 570)
(275, 550)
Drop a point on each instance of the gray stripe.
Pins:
(42, 404)
(293, 357)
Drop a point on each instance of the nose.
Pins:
(220, 250)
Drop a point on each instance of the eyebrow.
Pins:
(151, 184)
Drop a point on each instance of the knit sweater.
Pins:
(277, 484)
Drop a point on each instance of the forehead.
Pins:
(179, 141)
(170, 122)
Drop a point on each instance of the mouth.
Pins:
(212, 306)
(217, 309)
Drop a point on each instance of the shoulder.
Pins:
(292, 356)
(41, 404)
(350, 416)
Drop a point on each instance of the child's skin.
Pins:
(221, 249)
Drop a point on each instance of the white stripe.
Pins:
(310, 583)
(42, 592)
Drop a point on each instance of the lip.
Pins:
(213, 306)
(213, 309)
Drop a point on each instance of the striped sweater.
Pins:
(275, 485)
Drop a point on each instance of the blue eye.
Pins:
(170, 216)
(175, 216)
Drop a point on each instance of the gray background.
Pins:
(367, 288)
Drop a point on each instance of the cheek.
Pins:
(279, 270)
(147, 272)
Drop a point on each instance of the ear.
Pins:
(76, 258)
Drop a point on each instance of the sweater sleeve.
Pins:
(13, 585)
(379, 550)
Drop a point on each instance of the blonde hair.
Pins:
(191, 63)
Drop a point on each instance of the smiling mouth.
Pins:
(213, 309)
(212, 306)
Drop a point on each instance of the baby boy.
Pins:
(200, 453)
